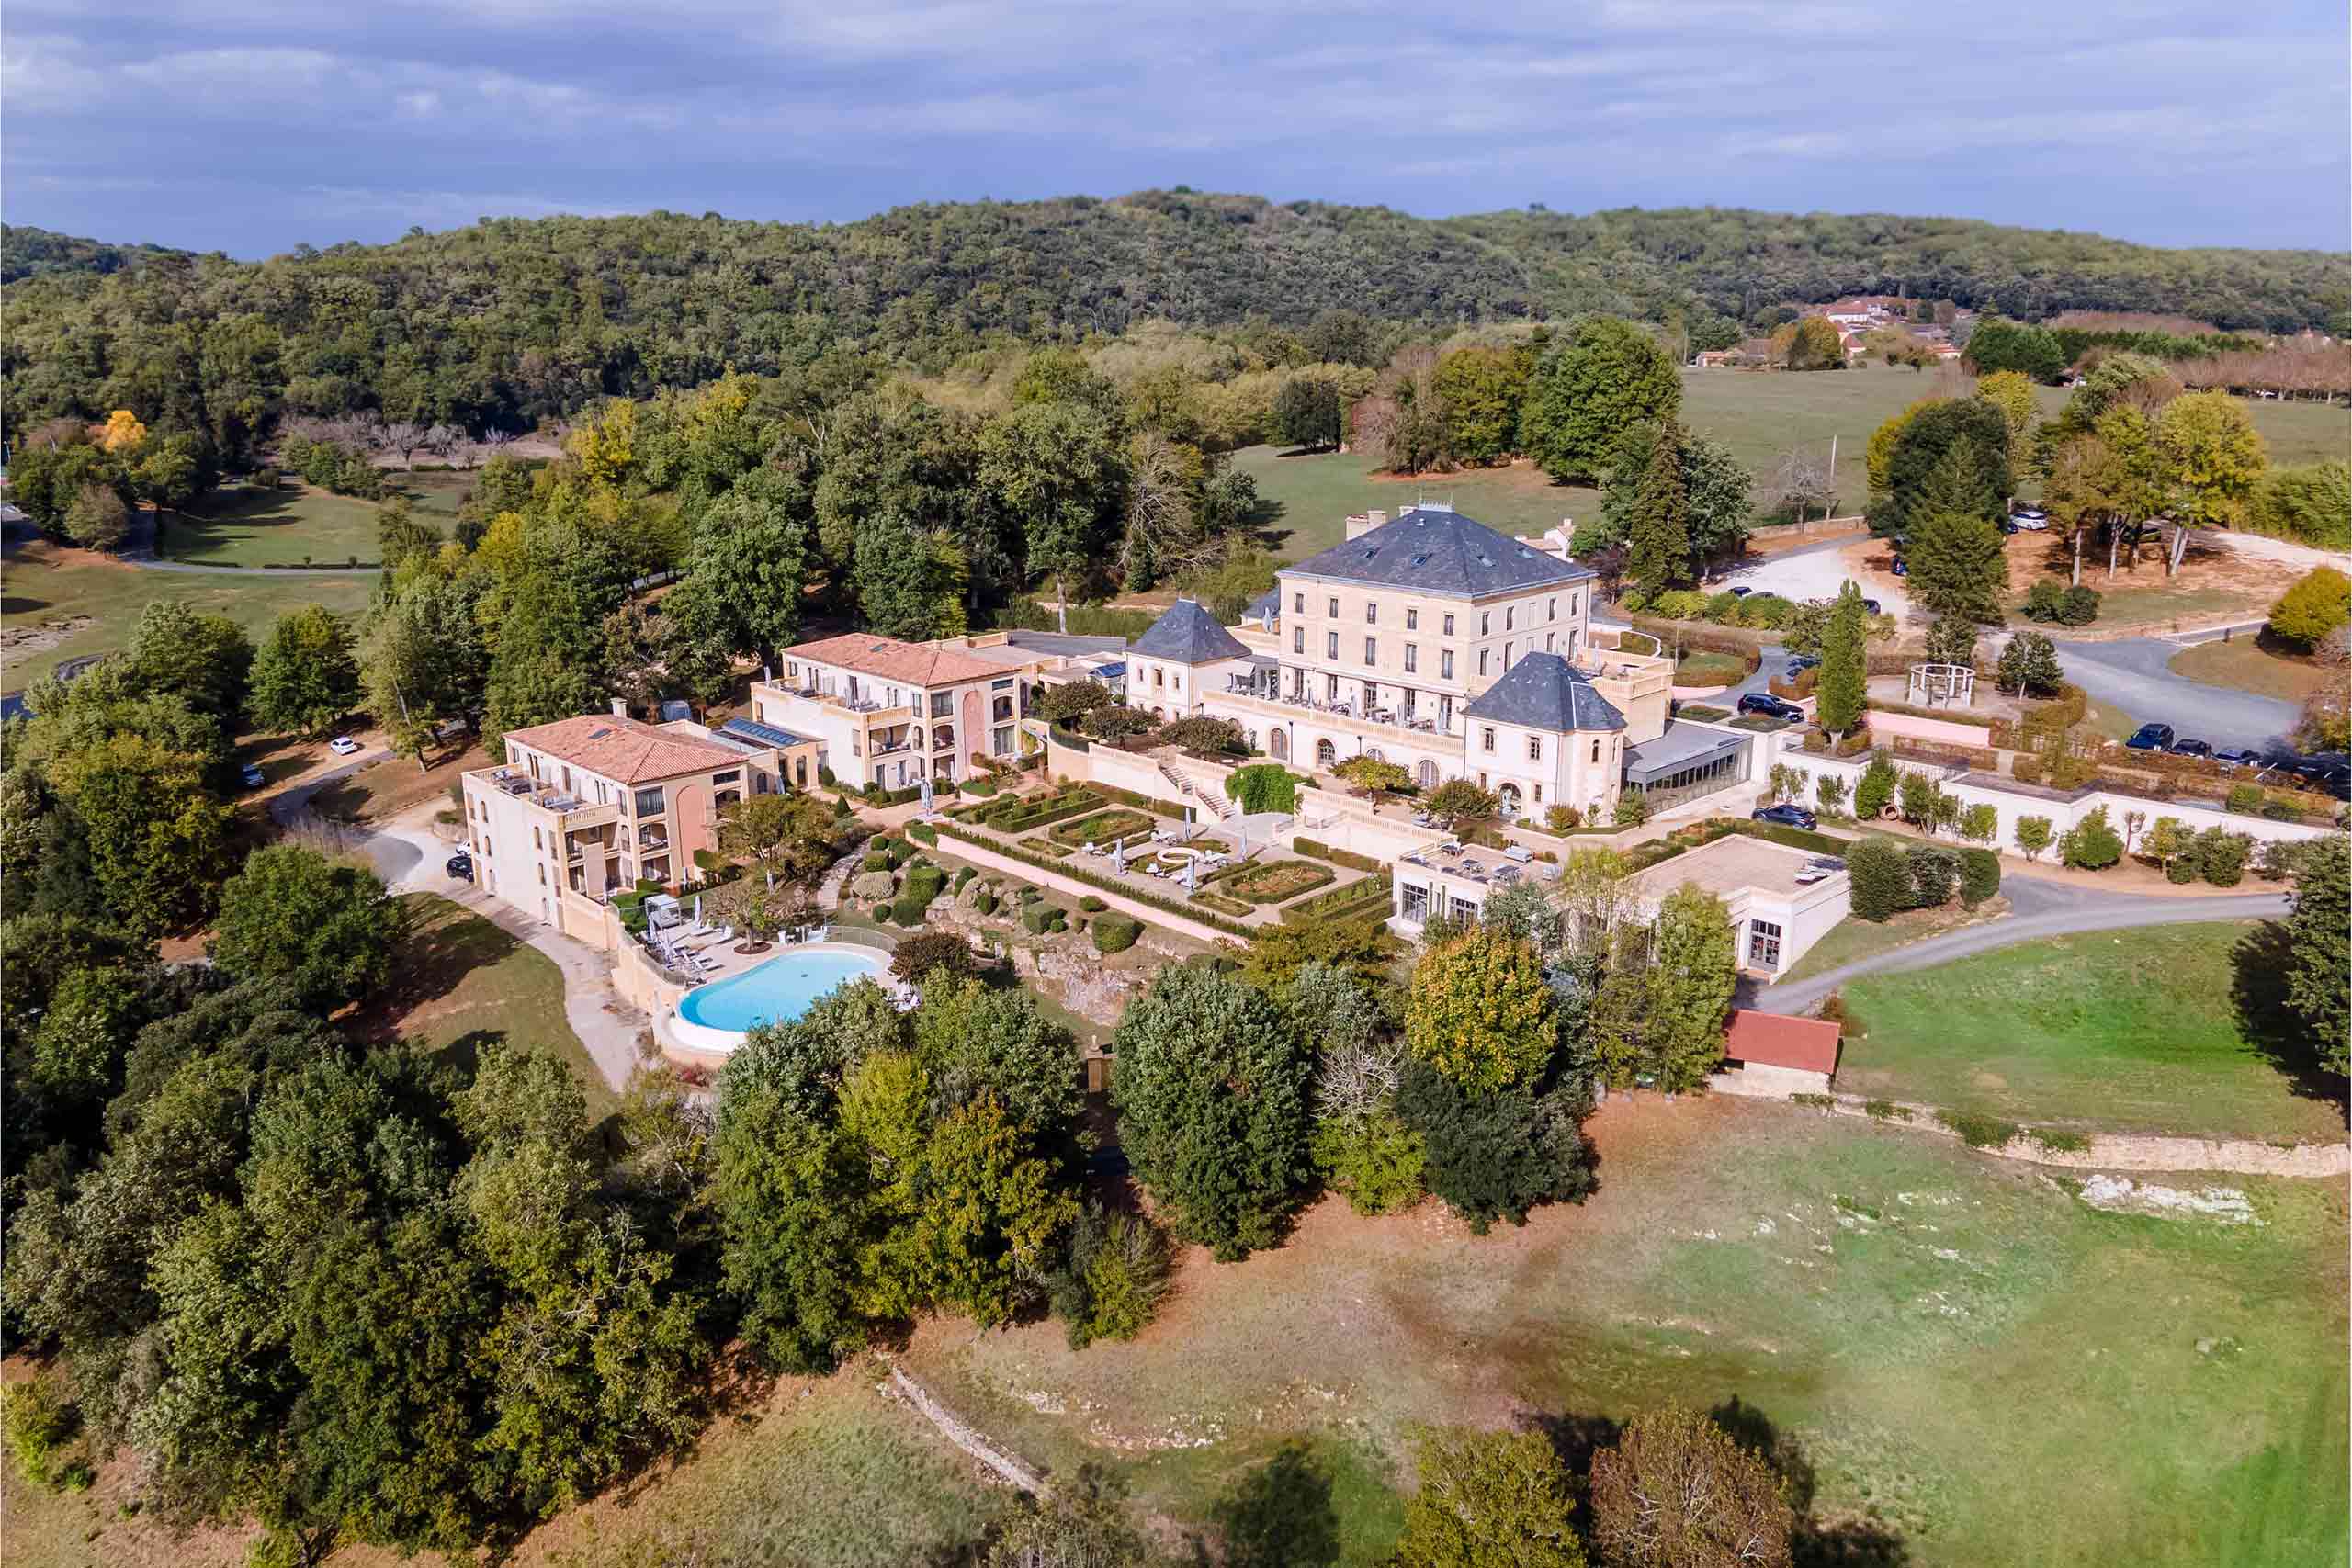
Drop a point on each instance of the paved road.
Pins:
(2132, 674)
(394, 854)
(2043, 909)
(1812, 571)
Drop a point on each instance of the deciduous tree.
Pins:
(304, 677)
(1678, 1492)
(1490, 1500)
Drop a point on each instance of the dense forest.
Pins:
(513, 320)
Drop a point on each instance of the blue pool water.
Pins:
(776, 992)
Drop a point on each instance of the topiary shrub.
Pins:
(1562, 819)
(907, 910)
(2092, 843)
(924, 834)
(1979, 877)
(963, 879)
(1934, 874)
(875, 863)
(931, 953)
(1093, 905)
(985, 903)
(1115, 933)
(1881, 882)
(1041, 918)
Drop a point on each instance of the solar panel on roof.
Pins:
(765, 734)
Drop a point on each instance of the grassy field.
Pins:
(292, 525)
(1759, 416)
(435, 495)
(461, 983)
(2244, 664)
(2136, 1031)
(62, 604)
(1966, 1355)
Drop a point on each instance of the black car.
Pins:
(1871, 605)
(461, 865)
(1901, 569)
(1739, 593)
(2238, 756)
(2191, 749)
(1787, 817)
(2151, 737)
(1769, 706)
(1803, 661)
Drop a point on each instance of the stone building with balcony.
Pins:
(586, 806)
(888, 713)
(1431, 641)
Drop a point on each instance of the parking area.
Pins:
(1818, 571)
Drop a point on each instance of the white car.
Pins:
(2030, 521)
(343, 746)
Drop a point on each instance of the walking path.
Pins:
(2046, 909)
(2130, 1151)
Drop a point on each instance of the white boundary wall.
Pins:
(2011, 805)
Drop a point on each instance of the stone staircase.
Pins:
(1224, 810)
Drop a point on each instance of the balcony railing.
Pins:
(1421, 729)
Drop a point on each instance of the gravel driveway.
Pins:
(1812, 571)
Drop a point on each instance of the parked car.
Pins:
(1819, 869)
(2032, 519)
(2191, 747)
(1787, 817)
(1803, 661)
(1901, 569)
(343, 746)
(2009, 525)
(1739, 593)
(2151, 737)
(250, 776)
(1770, 707)
(1871, 605)
(461, 865)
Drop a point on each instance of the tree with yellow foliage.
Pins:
(123, 432)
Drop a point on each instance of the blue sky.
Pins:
(251, 125)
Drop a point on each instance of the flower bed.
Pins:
(1271, 882)
(1222, 904)
(1120, 822)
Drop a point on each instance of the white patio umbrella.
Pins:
(698, 909)
(1192, 874)
(1119, 856)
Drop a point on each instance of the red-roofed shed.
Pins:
(1770, 1052)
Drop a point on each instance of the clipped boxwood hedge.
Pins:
(1115, 933)
(1041, 918)
(1093, 905)
(1093, 878)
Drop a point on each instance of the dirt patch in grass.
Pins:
(383, 790)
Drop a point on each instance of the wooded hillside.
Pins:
(514, 319)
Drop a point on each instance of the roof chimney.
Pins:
(1362, 522)
(620, 708)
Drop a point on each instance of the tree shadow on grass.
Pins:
(1281, 1514)
(1817, 1542)
(436, 951)
(2260, 962)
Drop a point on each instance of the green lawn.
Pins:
(2244, 664)
(461, 982)
(61, 605)
(1701, 669)
(437, 495)
(2161, 607)
(2136, 1031)
(291, 525)
(1975, 1367)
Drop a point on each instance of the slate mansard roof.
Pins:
(1440, 552)
(1188, 634)
(1543, 691)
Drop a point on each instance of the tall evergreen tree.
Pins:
(1845, 670)
(1657, 535)
(1957, 564)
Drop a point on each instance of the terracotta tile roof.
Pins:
(1775, 1040)
(917, 665)
(623, 750)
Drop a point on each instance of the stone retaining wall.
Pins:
(2134, 1151)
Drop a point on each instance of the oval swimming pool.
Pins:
(778, 991)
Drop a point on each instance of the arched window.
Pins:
(1278, 745)
(1426, 774)
(1326, 753)
(1374, 752)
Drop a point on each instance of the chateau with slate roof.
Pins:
(1439, 551)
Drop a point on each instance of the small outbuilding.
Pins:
(1773, 1055)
